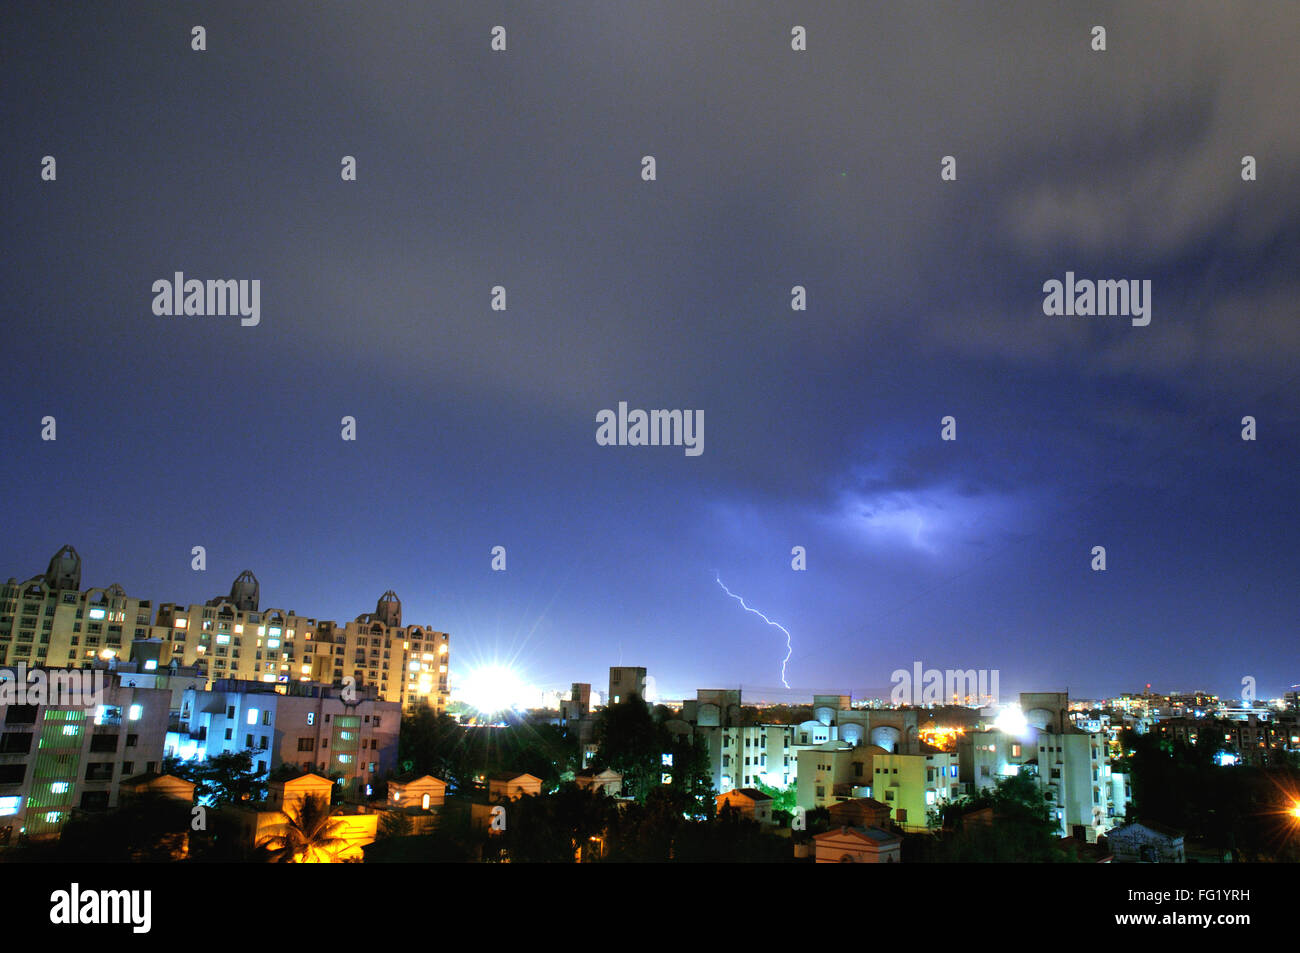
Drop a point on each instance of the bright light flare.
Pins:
(1011, 721)
(494, 688)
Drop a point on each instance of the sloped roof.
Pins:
(754, 794)
(411, 777)
(872, 835)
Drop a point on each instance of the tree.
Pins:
(308, 835)
(633, 744)
(146, 829)
(562, 827)
(222, 779)
(1020, 829)
(431, 742)
(394, 824)
(782, 800)
(1242, 808)
(692, 775)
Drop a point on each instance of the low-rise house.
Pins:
(1147, 843)
(859, 812)
(490, 815)
(609, 781)
(858, 845)
(511, 785)
(749, 802)
(411, 793)
(355, 827)
(150, 788)
(153, 784)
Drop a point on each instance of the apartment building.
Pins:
(986, 756)
(1075, 775)
(308, 726)
(624, 682)
(833, 770)
(913, 785)
(1084, 795)
(56, 757)
(50, 621)
(743, 756)
(408, 663)
(740, 755)
(231, 638)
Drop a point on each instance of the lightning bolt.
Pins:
(789, 646)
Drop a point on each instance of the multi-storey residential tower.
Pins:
(50, 620)
(59, 755)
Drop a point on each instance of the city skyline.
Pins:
(795, 695)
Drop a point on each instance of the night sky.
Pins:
(775, 168)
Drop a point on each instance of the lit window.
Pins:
(223, 639)
(136, 712)
(97, 613)
(71, 729)
(52, 817)
(272, 643)
(150, 665)
(274, 630)
(59, 787)
(311, 718)
(9, 805)
(182, 623)
(252, 716)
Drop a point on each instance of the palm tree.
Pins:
(306, 836)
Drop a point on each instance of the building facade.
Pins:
(310, 727)
(50, 621)
(56, 757)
